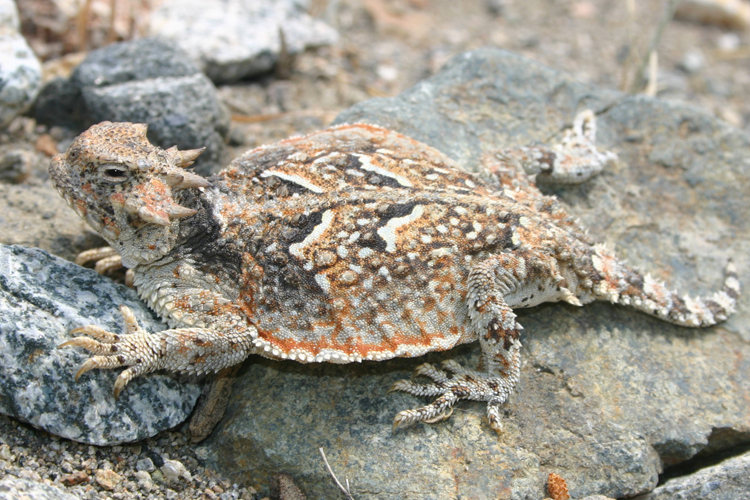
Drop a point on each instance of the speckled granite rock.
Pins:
(13, 488)
(145, 81)
(608, 397)
(729, 480)
(235, 39)
(20, 70)
(42, 298)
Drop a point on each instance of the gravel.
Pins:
(116, 472)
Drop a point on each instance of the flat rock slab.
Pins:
(608, 397)
(41, 299)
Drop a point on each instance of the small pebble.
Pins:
(173, 470)
(77, 477)
(145, 464)
(693, 61)
(107, 479)
(144, 480)
(15, 166)
(728, 42)
(29, 474)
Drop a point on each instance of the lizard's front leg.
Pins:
(572, 160)
(192, 350)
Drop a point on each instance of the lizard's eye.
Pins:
(113, 173)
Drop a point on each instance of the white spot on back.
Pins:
(296, 179)
(366, 164)
(323, 282)
(325, 221)
(388, 232)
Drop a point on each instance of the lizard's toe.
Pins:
(97, 332)
(453, 384)
(99, 362)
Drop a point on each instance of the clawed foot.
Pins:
(137, 349)
(106, 261)
(452, 384)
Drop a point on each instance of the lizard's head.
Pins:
(127, 189)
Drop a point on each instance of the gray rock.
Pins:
(235, 39)
(13, 488)
(15, 165)
(37, 216)
(20, 70)
(145, 81)
(729, 480)
(608, 397)
(139, 60)
(41, 299)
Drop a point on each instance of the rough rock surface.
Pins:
(20, 70)
(608, 397)
(13, 488)
(144, 81)
(235, 39)
(36, 216)
(729, 480)
(41, 299)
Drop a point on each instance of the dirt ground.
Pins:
(389, 45)
(386, 46)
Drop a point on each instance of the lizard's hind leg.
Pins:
(498, 332)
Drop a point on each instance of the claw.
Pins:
(90, 364)
(121, 382)
(97, 332)
(85, 342)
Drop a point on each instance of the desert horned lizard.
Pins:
(353, 243)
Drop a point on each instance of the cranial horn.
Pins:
(178, 211)
(141, 128)
(187, 157)
(153, 216)
(174, 178)
(183, 179)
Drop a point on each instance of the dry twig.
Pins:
(346, 490)
(647, 58)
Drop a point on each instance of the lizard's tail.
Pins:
(623, 285)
